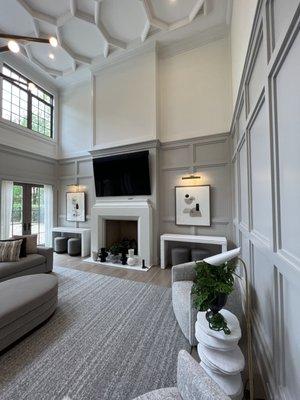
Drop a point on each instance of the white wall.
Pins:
(76, 121)
(125, 102)
(243, 12)
(195, 92)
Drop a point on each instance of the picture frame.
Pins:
(75, 207)
(192, 205)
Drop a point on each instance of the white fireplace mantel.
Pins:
(136, 210)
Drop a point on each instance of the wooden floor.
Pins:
(155, 276)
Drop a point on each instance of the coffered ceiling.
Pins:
(91, 32)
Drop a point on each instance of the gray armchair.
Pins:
(183, 276)
(192, 384)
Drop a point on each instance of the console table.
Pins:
(85, 235)
(173, 237)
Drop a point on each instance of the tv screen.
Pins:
(122, 175)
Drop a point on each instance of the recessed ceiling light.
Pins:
(51, 55)
(13, 46)
(53, 41)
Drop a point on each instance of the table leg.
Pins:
(162, 254)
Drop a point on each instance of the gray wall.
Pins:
(208, 157)
(21, 166)
(266, 164)
(75, 171)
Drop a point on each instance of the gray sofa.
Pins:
(37, 263)
(192, 384)
(183, 276)
(25, 302)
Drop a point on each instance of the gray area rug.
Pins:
(109, 339)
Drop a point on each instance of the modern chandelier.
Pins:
(14, 40)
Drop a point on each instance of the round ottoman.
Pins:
(180, 255)
(25, 302)
(199, 254)
(60, 245)
(74, 247)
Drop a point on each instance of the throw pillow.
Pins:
(10, 250)
(23, 246)
(31, 243)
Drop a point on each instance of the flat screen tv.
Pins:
(122, 175)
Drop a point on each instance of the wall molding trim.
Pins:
(27, 154)
(139, 146)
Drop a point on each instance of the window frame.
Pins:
(30, 95)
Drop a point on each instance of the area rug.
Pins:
(110, 339)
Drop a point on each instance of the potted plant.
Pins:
(214, 282)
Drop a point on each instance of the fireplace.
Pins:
(117, 231)
(113, 218)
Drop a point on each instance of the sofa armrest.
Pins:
(47, 252)
(184, 272)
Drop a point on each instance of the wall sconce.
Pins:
(191, 177)
(74, 187)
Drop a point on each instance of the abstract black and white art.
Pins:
(76, 206)
(192, 205)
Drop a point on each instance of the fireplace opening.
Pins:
(122, 232)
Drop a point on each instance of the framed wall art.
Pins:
(76, 206)
(192, 205)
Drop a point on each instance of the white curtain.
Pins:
(48, 202)
(7, 188)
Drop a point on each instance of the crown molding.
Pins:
(210, 35)
(146, 145)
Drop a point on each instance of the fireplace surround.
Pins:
(127, 210)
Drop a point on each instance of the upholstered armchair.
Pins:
(183, 276)
(192, 384)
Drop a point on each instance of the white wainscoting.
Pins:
(266, 165)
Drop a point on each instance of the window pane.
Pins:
(15, 91)
(23, 104)
(23, 122)
(6, 114)
(6, 95)
(15, 103)
(6, 71)
(24, 95)
(17, 213)
(6, 105)
(15, 118)
(7, 86)
(15, 100)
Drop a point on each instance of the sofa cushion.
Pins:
(31, 242)
(181, 299)
(10, 251)
(11, 268)
(23, 246)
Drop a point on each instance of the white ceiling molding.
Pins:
(160, 23)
